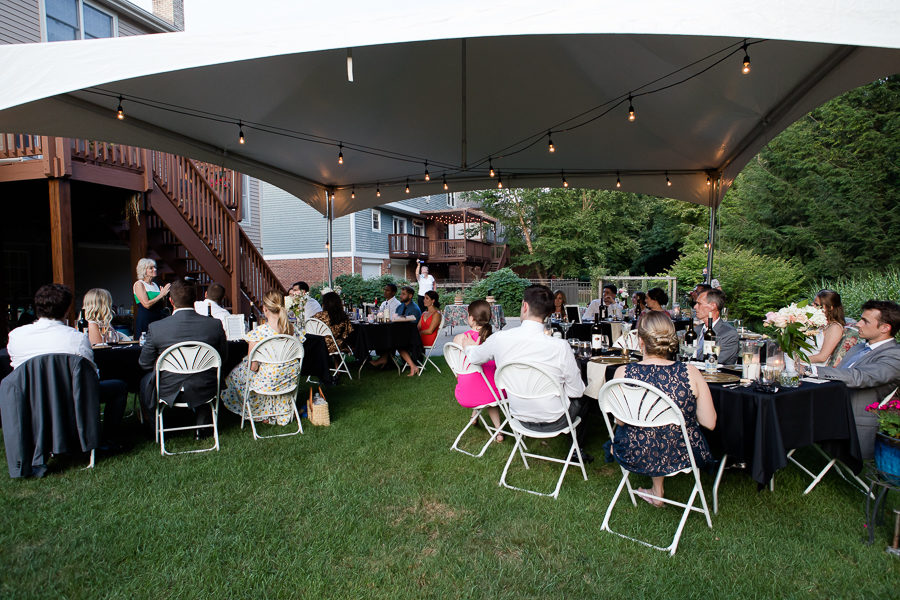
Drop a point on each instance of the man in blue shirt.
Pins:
(408, 309)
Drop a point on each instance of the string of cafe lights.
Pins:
(577, 121)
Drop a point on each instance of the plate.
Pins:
(720, 377)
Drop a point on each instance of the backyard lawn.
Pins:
(377, 506)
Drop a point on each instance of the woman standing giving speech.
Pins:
(150, 299)
(426, 283)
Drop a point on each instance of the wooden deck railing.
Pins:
(407, 245)
(225, 182)
(19, 145)
(256, 276)
(458, 251)
(115, 155)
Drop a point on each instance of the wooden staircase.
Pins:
(499, 258)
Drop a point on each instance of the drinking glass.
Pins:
(104, 330)
(566, 325)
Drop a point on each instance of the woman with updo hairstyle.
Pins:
(471, 390)
(660, 451)
(836, 339)
(148, 296)
(97, 306)
(266, 377)
(657, 299)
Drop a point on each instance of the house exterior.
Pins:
(85, 211)
(456, 240)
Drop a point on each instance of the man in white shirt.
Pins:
(312, 307)
(212, 304)
(391, 303)
(49, 335)
(528, 344)
(608, 299)
(426, 283)
(871, 370)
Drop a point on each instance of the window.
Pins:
(376, 220)
(399, 225)
(245, 200)
(418, 227)
(451, 200)
(64, 19)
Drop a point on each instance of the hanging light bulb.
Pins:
(446, 187)
(499, 181)
(427, 176)
(564, 182)
(353, 194)
(378, 190)
(491, 167)
(120, 112)
(550, 147)
(407, 185)
(708, 180)
(746, 67)
(630, 109)
(341, 153)
(618, 181)
(668, 181)
(240, 133)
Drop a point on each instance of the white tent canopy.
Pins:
(459, 84)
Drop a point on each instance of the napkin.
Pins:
(813, 380)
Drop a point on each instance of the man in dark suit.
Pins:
(709, 305)
(185, 325)
(872, 369)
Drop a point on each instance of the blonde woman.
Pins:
(97, 305)
(149, 297)
(267, 377)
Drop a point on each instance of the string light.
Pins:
(618, 181)
(564, 182)
(668, 181)
(746, 68)
(353, 193)
(550, 147)
(630, 109)
(341, 153)
(491, 167)
(240, 133)
(120, 112)
(446, 187)
(407, 185)
(499, 181)
(708, 180)
(427, 176)
(378, 190)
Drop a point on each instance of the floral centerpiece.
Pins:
(887, 442)
(793, 326)
(622, 295)
(296, 308)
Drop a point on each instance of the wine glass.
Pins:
(104, 329)
(566, 325)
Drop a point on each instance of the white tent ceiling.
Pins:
(420, 93)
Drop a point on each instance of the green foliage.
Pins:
(857, 289)
(355, 289)
(447, 297)
(754, 284)
(504, 285)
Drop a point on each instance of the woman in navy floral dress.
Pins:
(660, 451)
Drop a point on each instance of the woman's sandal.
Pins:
(657, 503)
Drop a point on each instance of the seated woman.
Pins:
(97, 306)
(430, 322)
(334, 316)
(659, 451)
(471, 390)
(657, 299)
(269, 377)
(836, 339)
(639, 302)
(559, 306)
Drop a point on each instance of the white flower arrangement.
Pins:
(793, 325)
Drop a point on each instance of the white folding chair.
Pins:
(527, 381)
(187, 358)
(628, 340)
(429, 350)
(640, 404)
(460, 365)
(276, 350)
(317, 327)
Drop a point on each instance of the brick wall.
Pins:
(171, 11)
(314, 270)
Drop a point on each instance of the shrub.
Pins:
(447, 297)
(355, 290)
(857, 289)
(505, 286)
(753, 284)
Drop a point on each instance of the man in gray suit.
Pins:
(185, 325)
(709, 304)
(871, 369)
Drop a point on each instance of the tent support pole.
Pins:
(329, 205)
(711, 237)
(462, 84)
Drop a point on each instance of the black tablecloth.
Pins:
(759, 428)
(386, 337)
(582, 331)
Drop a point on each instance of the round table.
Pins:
(383, 338)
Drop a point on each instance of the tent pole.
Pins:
(713, 208)
(329, 205)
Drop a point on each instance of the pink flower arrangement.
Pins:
(793, 325)
(888, 416)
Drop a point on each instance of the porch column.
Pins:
(61, 248)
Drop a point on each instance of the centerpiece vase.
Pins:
(789, 377)
(887, 456)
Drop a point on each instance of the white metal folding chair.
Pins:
(527, 381)
(628, 340)
(317, 327)
(640, 404)
(460, 365)
(188, 358)
(429, 350)
(276, 350)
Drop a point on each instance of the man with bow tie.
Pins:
(871, 369)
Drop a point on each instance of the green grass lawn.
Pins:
(377, 506)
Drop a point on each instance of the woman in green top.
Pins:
(150, 299)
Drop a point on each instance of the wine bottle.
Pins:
(251, 322)
(209, 310)
(596, 338)
(690, 339)
(82, 323)
(709, 339)
(604, 313)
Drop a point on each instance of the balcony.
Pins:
(455, 251)
(407, 245)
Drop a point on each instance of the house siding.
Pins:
(20, 22)
(290, 226)
(251, 226)
(127, 28)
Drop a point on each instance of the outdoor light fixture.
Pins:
(746, 68)
(630, 109)
(240, 133)
(446, 187)
(353, 194)
(491, 167)
(564, 182)
(427, 176)
(120, 112)
(350, 65)
(407, 185)
(341, 153)
(499, 181)
(378, 190)
(618, 181)
(550, 147)
(708, 180)
(668, 181)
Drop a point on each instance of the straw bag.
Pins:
(318, 413)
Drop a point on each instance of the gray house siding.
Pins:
(20, 22)
(251, 222)
(290, 226)
(127, 28)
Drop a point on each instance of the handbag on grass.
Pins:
(317, 409)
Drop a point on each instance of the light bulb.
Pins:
(630, 109)
(708, 180)
(491, 167)
(340, 154)
(618, 181)
(550, 146)
(427, 176)
(446, 187)
(564, 182)
(746, 62)
(499, 181)
(407, 185)
(378, 191)
(353, 194)
(668, 181)
(240, 133)
(120, 112)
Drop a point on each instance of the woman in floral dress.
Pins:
(268, 377)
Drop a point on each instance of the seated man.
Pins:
(407, 309)
(312, 307)
(528, 344)
(699, 289)
(608, 299)
(211, 305)
(49, 335)
(709, 305)
(390, 301)
(871, 369)
(184, 325)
